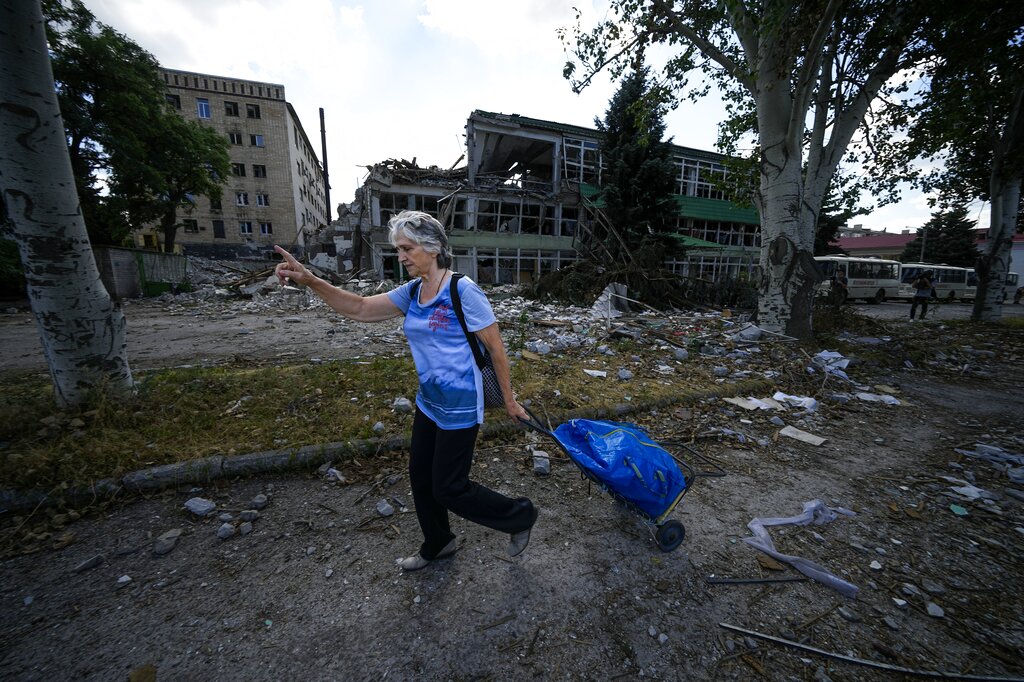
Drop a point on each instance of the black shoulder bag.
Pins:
(492, 389)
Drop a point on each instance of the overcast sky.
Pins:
(398, 78)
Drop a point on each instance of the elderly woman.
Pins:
(449, 404)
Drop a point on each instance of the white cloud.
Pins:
(399, 78)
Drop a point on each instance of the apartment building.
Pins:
(275, 193)
(527, 202)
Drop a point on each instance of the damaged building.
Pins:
(527, 202)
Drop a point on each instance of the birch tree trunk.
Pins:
(787, 272)
(82, 331)
(994, 264)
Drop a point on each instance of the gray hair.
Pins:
(424, 230)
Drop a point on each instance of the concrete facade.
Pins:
(526, 203)
(275, 193)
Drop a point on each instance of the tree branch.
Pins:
(705, 46)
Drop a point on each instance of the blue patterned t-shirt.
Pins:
(451, 392)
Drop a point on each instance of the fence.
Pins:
(129, 273)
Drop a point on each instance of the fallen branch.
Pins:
(870, 664)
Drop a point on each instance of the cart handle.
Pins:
(535, 423)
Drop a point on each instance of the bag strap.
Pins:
(414, 289)
(453, 288)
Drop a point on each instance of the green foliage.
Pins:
(12, 277)
(948, 239)
(637, 184)
(120, 130)
(971, 115)
(838, 207)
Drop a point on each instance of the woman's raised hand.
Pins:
(291, 269)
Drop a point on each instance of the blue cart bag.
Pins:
(624, 459)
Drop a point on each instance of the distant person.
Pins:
(922, 293)
(1017, 295)
(450, 403)
(840, 287)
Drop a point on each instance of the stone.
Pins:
(891, 622)
(625, 374)
(720, 371)
(681, 354)
(259, 502)
(935, 611)
(329, 572)
(310, 551)
(200, 506)
(652, 631)
(910, 590)
(226, 531)
(777, 421)
(900, 603)
(245, 528)
(384, 508)
(249, 515)
(876, 566)
(378, 427)
(541, 463)
(91, 562)
(124, 580)
(402, 405)
(662, 638)
(166, 542)
(225, 518)
(847, 614)
(932, 587)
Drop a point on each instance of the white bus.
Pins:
(872, 279)
(949, 282)
(1012, 282)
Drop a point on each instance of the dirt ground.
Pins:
(313, 591)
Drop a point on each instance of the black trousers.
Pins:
(923, 300)
(439, 464)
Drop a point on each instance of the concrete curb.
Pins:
(311, 456)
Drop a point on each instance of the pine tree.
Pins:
(948, 239)
(639, 174)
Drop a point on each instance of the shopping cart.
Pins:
(625, 462)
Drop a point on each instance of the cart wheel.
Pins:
(670, 535)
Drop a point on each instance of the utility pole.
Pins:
(924, 235)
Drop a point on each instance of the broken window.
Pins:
(700, 178)
(245, 227)
(509, 215)
(259, 171)
(241, 198)
(582, 161)
(531, 219)
(230, 108)
(191, 226)
(174, 100)
(487, 216)
(238, 169)
(570, 214)
(391, 205)
(218, 229)
(252, 110)
(235, 138)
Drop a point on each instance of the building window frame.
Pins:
(252, 110)
(259, 170)
(203, 107)
(241, 198)
(257, 140)
(266, 229)
(245, 227)
(230, 108)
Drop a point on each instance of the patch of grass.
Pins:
(184, 414)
